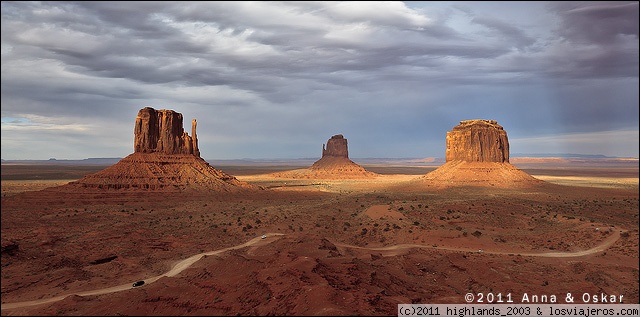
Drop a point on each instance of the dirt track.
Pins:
(184, 264)
(599, 248)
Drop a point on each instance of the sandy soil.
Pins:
(348, 247)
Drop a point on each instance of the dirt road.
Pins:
(184, 264)
(599, 248)
(177, 268)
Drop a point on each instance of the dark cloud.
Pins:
(597, 39)
(275, 79)
(597, 22)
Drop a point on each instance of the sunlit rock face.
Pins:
(478, 141)
(478, 155)
(161, 131)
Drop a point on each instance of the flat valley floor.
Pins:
(330, 247)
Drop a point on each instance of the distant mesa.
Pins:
(165, 157)
(477, 154)
(334, 164)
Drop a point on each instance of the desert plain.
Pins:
(332, 246)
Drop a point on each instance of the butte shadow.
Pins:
(334, 164)
(477, 155)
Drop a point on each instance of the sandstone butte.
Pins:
(477, 154)
(334, 164)
(165, 157)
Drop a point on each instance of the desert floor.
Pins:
(333, 247)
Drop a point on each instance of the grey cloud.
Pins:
(596, 40)
(512, 33)
(596, 22)
(281, 72)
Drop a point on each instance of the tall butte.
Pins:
(161, 131)
(477, 154)
(334, 164)
(165, 157)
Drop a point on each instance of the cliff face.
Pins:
(478, 141)
(336, 146)
(161, 131)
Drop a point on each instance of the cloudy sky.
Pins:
(278, 79)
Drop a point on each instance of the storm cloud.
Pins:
(277, 79)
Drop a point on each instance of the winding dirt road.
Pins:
(177, 268)
(183, 264)
(606, 243)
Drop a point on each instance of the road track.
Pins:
(184, 264)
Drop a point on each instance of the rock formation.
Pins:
(334, 164)
(336, 146)
(161, 131)
(477, 154)
(165, 158)
(478, 141)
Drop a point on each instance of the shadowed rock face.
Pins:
(336, 146)
(161, 131)
(478, 141)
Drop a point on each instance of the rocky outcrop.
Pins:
(477, 155)
(159, 171)
(334, 164)
(480, 174)
(336, 146)
(477, 141)
(165, 158)
(161, 131)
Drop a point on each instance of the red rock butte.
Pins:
(161, 131)
(165, 157)
(477, 154)
(478, 141)
(334, 164)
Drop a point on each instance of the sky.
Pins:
(274, 79)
